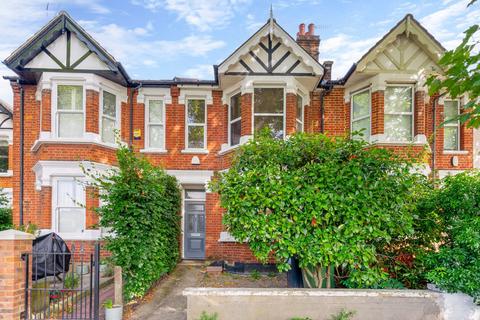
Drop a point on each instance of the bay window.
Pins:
(70, 111)
(3, 156)
(451, 128)
(196, 124)
(299, 114)
(398, 119)
(235, 119)
(155, 118)
(361, 118)
(109, 117)
(268, 110)
(68, 205)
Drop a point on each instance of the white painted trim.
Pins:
(194, 151)
(351, 96)
(153, 150)
(225, 236)
(284, 114)
(229, 111)
(147, 123)
(192, 177)
(12, 234)
(412, 112)
(455, 152)
(54, 104)
(164, 93)
(7, 174)
(91, 138)
(205, 130)
(118, 112)
(452, 125)
(444, 173)
(192, 94)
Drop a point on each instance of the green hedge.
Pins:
(6, 221)
(141, 206)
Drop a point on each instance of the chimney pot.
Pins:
(311, 29)
(301, 29)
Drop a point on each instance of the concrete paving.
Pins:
(167, 301)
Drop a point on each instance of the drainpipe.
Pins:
(434, 130)
(20, 198)
(130, 139)
(322, 108)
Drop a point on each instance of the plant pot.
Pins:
(114, 313)
(82, 269)
(103, 268)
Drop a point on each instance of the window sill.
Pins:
(399, 143)
(194, 151)
(7, 174)
(455, 152)
(225, 236)
(154, 150)
(38, 143)
(228, 149)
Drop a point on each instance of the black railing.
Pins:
(61, 285)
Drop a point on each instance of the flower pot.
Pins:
(82, 269)
(103, 268)
(114, 313)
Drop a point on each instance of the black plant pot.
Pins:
(294, 275)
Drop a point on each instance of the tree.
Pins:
(327, 201)
(461, 75)
(140, 207)
(6, 221)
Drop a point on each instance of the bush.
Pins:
(327, 201)
(6, 221)
(456, 265)
(141, 206)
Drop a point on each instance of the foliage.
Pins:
(456, 265)
(255, 275)
(206, 316)
(28, 228)
(6, 221)
(140, 206)
(71, 281)
(343, 315)
(108, 304)
(462, 75)
(327, 201)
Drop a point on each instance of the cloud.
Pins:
(201, 71)
(203, 15)
(252, 24)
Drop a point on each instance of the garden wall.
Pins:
(320, 304)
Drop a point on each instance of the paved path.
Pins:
(167, 302)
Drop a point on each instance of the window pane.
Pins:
(398, 99)
(155, 111)
(450, 139)
(155, 136)
(195, 137)
(275, 123)
(235, 107)
(3, 158)
(70, 125)
(235, 132)
(361, 105)
(359, 125)
(108, 130)
(451, 110)
(71, 219)
(196, 111)
(299, 113)
(109, 104)
(299, 127)
(70, 98)
(398, 127)
(268, 100)
(195, 194)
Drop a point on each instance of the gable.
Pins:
(407, 48)
(67, 52)
(271, 51)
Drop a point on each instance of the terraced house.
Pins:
(71, 95)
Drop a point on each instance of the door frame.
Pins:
(198, 187)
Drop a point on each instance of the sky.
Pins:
(160, 39)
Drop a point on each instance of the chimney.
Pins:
(328, 70)
(308, 40)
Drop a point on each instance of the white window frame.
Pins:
(412, 113)
(55, 207)
(54, 101)
(352, 95)
(204, 124)
(302, 120)
(230, 120)
(117, 114)
(270, 114)
(148, 123)
(453, 124)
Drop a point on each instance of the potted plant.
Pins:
(112, 311)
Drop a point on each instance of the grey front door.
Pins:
(194, 230)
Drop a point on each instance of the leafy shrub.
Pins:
(71, 281)
(343, 315)
(327, 201)
(141, 206)
(206, 316)
(456, 265)
(6, 221)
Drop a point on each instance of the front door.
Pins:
(194, 229)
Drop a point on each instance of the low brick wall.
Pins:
(319, 304)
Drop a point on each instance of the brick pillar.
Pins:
(46, 110)
(419, 114)
(12, 272)
(92, 111)
(291, 114)
(246, 111)
(378, 109)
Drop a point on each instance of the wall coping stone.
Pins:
(12, 234)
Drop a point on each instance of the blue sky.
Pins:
(160, 39)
